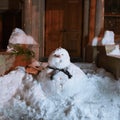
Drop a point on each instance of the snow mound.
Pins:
(115, 51)
(18, 36)
(9, 85)
(108, 38)
(98, 99)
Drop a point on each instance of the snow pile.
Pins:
(98, 98)
(70, 91)
(108, 38)
(18, 36)
(19, 39)
(115, 51)
(9, 85)
(95, 41)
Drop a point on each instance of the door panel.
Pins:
(53, 36)
(73, 26)
(63, 26)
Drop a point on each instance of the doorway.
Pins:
(63, 26)
(9, 20)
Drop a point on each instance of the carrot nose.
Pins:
(55, 55)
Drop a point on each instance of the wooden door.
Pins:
(63, 26)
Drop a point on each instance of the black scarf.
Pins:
(62, 70)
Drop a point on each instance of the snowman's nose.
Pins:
(55, 55)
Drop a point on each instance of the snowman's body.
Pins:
(61, 76)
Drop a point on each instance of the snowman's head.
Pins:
(59, 58)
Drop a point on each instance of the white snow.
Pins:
(53, 81)
(90, 94)
(60, 84)
(59, 58)
(22, 97)
(9, 85)
(108, 38)
(115, 51)
(18, 36)
(95, 41)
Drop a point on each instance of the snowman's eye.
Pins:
(62, 54)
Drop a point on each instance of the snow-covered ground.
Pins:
(95, 95)
(22, 98)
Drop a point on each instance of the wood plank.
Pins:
(92, 20)
(110, 63)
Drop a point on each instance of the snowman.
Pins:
(61, 76)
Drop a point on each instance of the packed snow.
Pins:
(115, 51)
(18, 36)
(107, 39)
(95, 41)
(23, 97)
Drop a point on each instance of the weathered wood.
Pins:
(110, 63)
(9, 62)
(92, 20)
(96, 19)
(28, 16)
(91, 53)
(32, 23)
(61, 29)
(6, 62)
(21, 60)
(99, 19)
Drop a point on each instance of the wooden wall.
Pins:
(112, 17)
(10, 4)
